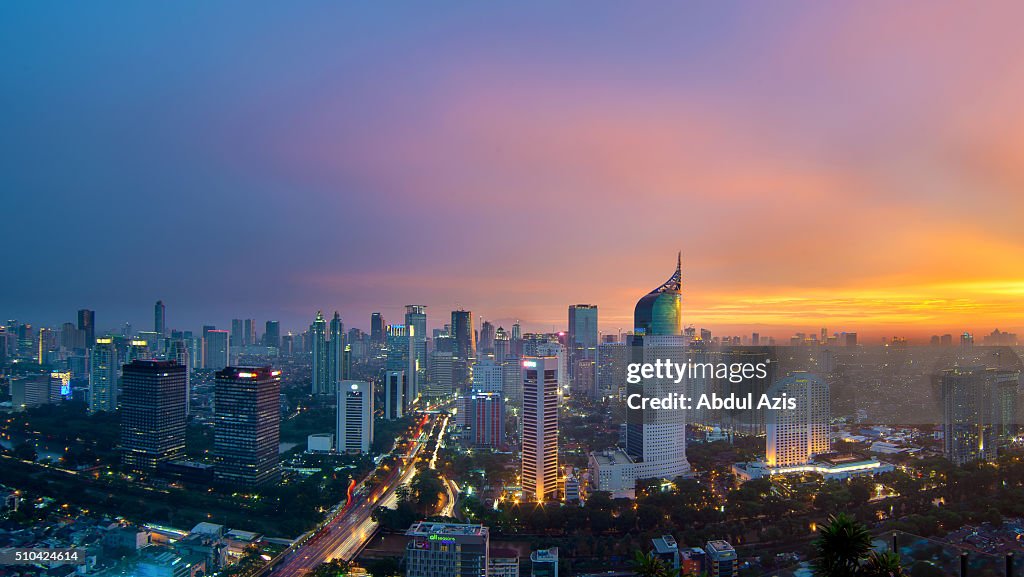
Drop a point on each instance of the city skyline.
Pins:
(883, 196)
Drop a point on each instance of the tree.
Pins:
(841, 546)
(647, 565)
(333, 568)
(884, 564)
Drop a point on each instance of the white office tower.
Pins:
(656, 439)
(103, 373)
(540, 428)
(395, 390)
(795, 436)
(660, 450)
(487, 377)
(355, 417)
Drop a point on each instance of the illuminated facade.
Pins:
(355, 417)
(540, 428)
(795, 436)
(247, 420)
(152, 414)
(318, 345)
(103, 373)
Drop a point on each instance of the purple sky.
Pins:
(851, 166)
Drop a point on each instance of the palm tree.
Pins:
(841, 545)
(647, 565)
(884, 564)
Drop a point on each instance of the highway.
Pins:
(348, 528)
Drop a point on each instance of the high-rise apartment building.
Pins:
(355, 417)
(153, 414)
(487, 419)
(446, 550)
(247, 421)
(970, 414)
(336, 353)
(795, 436)
(318, 346)
(540, 428)
(103, 376)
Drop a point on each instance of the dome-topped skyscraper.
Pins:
(660, 312)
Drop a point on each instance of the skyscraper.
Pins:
(395, 388)
(87, 323)
(377, 329)
(181, 353)
(216, 349)
(152, 414)
(247, 420)
(336, 353)
(237, 332)
(656, 439)
(355, 417)
(540, 428)
(487, 419)
(272, 334)
(416, 317)
(487, 335)
(318, 346)
(795, 436)
(248, 332)
(582, 341)
(159, 326)
(970, 414)
(103, 373)
(465, 348)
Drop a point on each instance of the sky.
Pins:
(855, 166)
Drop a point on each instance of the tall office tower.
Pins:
(318, 346)
(465, 348)
(446, 550)
(582, 347)
(486, 344)
(656, 439)
(237, 332)
(247, 426)
(441, 367)
(152, 414)
(159, 324)
(336, 354)
(487, 419)
(216, 349)
(751, 421)
(87, 323)
(378, 332)
(272, 334)
(416, 317)
(395, 389)
(795, 436)
(355, 417)
(487, 376)
(516, 340)
(540, 428)
(611, 368)
(502, 345)
(249, 332)
(103, 373)
(970, 414)
(180, 352)
(44, 340)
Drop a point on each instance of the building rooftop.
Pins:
(426, 528)
(665, 544)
